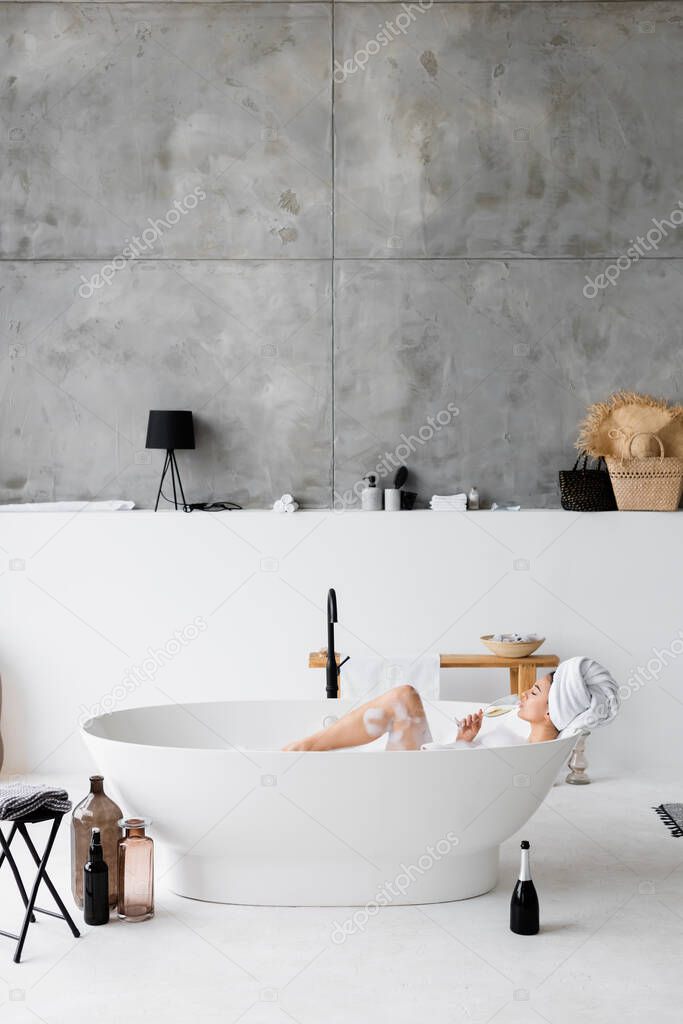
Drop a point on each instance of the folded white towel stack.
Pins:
(449, 502)
(363, 678)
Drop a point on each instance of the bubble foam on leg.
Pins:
(399, 711)
(374, 720)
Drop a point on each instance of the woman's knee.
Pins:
(405, 696)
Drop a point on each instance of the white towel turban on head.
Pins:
(583, 695)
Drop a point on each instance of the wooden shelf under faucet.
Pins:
(522, 670)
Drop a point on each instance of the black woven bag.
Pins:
(586, 490)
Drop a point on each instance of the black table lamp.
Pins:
(170, 429)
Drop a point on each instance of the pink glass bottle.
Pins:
(135, 871)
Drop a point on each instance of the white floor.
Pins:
(610, 882)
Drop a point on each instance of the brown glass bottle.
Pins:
(135, 871)
(96, 810)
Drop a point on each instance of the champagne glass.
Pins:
(502, 705)
(498, 707)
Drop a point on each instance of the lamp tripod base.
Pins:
(170, 465)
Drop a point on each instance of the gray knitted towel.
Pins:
(18, 799)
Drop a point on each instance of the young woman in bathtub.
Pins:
(580, 693)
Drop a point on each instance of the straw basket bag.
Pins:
(646, 485)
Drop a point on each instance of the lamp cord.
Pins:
(224, 505)
(212, 506)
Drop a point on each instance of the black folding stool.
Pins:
(19, 825)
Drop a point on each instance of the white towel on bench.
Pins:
(363, 678)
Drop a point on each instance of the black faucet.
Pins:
(332, 668)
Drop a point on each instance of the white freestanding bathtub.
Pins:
(240, 821)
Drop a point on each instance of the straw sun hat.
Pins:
(609, 426)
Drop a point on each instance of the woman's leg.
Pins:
(399, 713)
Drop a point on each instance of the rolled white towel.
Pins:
(285, 504)
(583, 695)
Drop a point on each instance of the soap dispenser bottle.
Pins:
(371, 496)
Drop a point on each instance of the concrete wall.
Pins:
(373, 215)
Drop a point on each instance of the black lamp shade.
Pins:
(170, 429)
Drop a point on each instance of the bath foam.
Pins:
(400, 713)
(374, 720)
(404, 724)
(401, 721)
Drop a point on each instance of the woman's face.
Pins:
(533, 703)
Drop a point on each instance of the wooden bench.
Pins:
(522, 670)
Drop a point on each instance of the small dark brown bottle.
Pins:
(524, 902)
(95, 883)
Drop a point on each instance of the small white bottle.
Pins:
(371, 496)
(473, 498)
